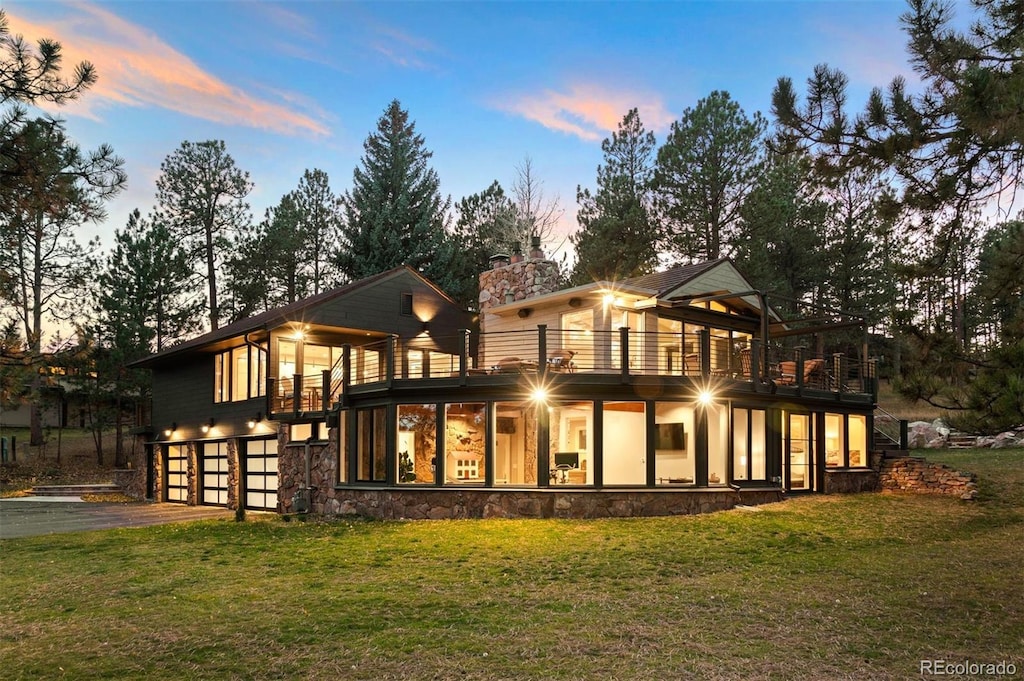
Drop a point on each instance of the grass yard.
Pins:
(839, 587)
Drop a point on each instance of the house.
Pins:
(683, 391)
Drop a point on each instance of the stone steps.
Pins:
(961, 441)
(73, 490)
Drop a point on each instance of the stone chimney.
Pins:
(517, 279)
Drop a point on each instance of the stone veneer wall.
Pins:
(439, 504)
(915, 474)
(852, 481)
(524, 279)
(420, 502)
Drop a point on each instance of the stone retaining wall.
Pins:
(914, 474)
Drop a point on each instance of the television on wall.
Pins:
(669, 436)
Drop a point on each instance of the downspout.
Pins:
(309, 465)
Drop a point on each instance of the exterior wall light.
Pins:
(206, 426)
(539, 395)
(170, 431)
(705, 397)
(254, 421)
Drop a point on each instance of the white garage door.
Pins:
(214, 465)
(261, 475)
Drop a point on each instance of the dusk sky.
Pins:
(297, 85)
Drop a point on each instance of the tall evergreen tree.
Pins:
(201, 196)
(486, 224)
(394, 214)
(278, 244)
(617, 237)
(959, 141)
(54, 189)
(705, 169)
(141, 303)
(319, 216)
(779, 242)
(142, 299)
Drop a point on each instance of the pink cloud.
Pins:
(587, 111)
(136, 68)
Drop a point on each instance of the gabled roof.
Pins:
(272, 319)
(665, 282)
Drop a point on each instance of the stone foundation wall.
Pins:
(438, 504)
(851, 482)
(855, 481)
(914, 474)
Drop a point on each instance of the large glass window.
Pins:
(632, 321)
(800, 445)
(673, 444)
(239, 374)
(718, 443)
(858, 440)
(748, 444)
(846, 440)
(624, 443)
(371, 445)
(671, 350)
(835, 439)
(417, 443)
(465, 430)
(578, 336)
(515, 444)
(343, 458)
(571, 438)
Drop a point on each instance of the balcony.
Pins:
(591, 357)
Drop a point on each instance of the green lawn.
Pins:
(840, 587)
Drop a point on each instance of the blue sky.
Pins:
(296, 85)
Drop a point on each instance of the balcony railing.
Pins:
(624, 352)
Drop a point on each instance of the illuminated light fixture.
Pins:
(253, 422)
(539, 394)
(426, 328)
(206, 426)
(608, 300)
(170, 431)
(705, 397)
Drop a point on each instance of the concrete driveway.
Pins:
(33, 516)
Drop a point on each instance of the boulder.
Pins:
(920, 433)
(1007, 439)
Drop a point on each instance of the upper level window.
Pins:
(239, 374)
(407, 303)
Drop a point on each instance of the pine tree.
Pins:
(394, 213)
(201, 196)
(319, 216)
(617, 237)
(705, 169)
(779, 242)
(52, 190)
(486, 225)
